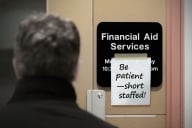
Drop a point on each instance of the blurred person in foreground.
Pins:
(45, 62)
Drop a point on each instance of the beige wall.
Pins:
(134, 10)
(87, 14)
(80, 11)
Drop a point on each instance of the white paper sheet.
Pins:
(130, 81)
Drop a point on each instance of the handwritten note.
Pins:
(130, 79)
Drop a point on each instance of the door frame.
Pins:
(175, 64)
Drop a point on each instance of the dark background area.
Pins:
(11, 13)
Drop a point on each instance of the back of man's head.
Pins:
(47, 46)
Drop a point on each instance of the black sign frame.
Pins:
(131, 41)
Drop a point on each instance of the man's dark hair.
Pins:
(47, 45)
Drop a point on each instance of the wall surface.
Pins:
(134, 11)
(79, 11)
(87, 14)
(188, 63)
(11, 13)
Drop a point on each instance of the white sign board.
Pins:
(130, 81)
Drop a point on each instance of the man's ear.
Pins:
(75, 71)
(15, 67)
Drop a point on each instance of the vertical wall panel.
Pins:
(188, 63)
(133, 11)
(80, 11)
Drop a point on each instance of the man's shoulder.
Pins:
(50, 113)
(91, 120)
